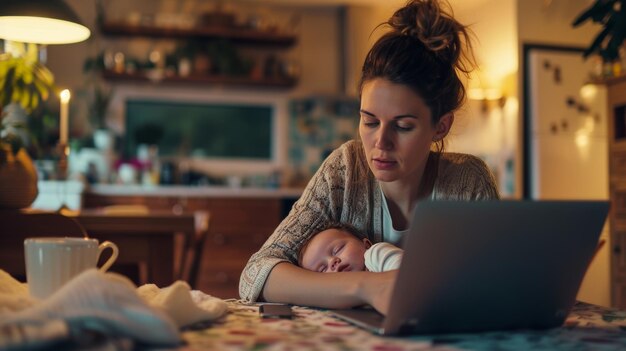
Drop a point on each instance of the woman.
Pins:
(409, 91)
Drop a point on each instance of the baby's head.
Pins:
(338, 248)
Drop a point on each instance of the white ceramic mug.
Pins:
(51, 262)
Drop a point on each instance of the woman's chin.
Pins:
(385, 176)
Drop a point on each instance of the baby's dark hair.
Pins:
(426, 50)
(333, 225)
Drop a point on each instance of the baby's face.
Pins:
(334, 250)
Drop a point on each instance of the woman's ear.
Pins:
(367, 243)
(443, 126)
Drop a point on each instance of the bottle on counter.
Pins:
(274, 179)
(167, 175)
(148, 156)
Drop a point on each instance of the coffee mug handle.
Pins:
(114, 253)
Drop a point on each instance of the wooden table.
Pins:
(147, 238)
(144, 239)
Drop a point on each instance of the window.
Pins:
(195, 129)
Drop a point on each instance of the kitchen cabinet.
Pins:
(617, 187)
(238, 227)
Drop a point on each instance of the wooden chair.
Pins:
(151, 242)
(194, 248)
(17, 225)
(146, 237)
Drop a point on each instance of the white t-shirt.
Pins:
(390, 234)
(382, 257)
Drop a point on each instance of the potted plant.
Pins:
(24, 84)
(611, 14)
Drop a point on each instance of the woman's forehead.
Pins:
(380, 96)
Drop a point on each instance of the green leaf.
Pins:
(612, 15)
(605, 10)
(597, 12)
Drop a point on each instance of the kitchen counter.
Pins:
(192, 191)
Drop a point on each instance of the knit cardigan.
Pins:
(345, 190)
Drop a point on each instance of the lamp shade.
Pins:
(40, 22)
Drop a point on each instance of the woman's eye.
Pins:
(404, 128)
(369, 122)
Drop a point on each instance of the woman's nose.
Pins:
(383, 139)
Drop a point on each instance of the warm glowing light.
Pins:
(65, 95)
(582, 139)
(484, 94)
(475, 94)
(41, 30)
(493, 94)
(588, 92)
(64, 120)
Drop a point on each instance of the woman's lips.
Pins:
(382, 164)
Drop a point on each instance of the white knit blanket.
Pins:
(101, 304)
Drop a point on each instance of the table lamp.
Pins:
(43, 22)
(40, 22)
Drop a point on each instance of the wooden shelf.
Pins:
(609, 81)
(208, 79)
(238, 35)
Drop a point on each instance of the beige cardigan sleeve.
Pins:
(320, 203)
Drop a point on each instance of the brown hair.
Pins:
(333, 225)
(426, 50)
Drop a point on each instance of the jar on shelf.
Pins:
(119, 62)
(617, 68)
(184, 67)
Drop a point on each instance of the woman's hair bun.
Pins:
(431, 24)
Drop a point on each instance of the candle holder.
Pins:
(63, 151)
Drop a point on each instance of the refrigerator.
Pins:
(567, 142)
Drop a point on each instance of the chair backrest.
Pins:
(17, 225)
(193, 251)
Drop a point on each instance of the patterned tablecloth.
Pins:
(588, 327)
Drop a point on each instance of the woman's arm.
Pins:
(337, 192)
(288, 283)
(322, 202)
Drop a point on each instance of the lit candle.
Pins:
(65, 102)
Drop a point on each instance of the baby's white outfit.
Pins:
(382, 257)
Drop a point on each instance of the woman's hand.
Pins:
(376, 290)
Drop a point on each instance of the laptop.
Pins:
(488, 265)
